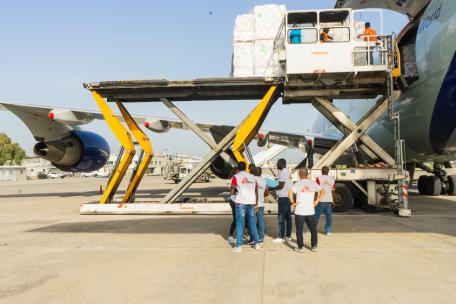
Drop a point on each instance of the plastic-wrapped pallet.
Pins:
(265, 59)
(243, 59)
(243, 46)
(267, 20)
(244, 28)
(253, 41)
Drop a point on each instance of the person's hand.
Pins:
(256, 209)
(333, 204)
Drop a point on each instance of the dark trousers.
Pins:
(233, 212)
(311, 224)
(285, 223)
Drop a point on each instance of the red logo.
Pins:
(245, 180)
(305, 189)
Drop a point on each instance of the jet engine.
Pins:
(262, 140)
(81, 151)
(220, 167)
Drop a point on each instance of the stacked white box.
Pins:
(253, 41)
(267, 20)
(244, 28)
(264, 61)
(243, 46)
(243, 59)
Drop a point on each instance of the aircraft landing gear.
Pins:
(439, 183)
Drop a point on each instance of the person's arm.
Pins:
(266, 192)
(279, 186)
(256, 197)
(233, 189)
(321, 193)
(291, 197)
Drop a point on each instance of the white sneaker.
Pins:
(278, 240)
(257, 246)
(231, 240)
(288, 239)
(300, 250)
(328, 233)
(237, 249)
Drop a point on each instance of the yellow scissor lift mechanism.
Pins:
(243, 135)
(238, 139)
(124, 137)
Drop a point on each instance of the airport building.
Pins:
(36, 167)
(12, 173)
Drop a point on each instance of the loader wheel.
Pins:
(451, 184)
(422, 181)
(343, 198)
(433, 186)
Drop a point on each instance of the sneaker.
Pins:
(257, 246)
(288, 239)
(300, 250)
(314, 249)
(237, 249)
(250, 243)
(231, 240)
(328, 233)
(278, 240)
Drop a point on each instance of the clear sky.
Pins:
(49, 48)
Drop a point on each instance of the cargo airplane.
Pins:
(427, 107)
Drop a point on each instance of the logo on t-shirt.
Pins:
(245, 180)
(305, 189)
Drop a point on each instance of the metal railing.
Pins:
(371, 53)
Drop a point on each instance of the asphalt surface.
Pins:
(51, 254)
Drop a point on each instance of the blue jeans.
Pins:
(285, 217)
(260, 222)
(325, 207)
(243, 211)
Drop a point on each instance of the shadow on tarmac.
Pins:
(434, 215)
(147, 194)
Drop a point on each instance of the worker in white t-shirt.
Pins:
(285, 183)
(305, 202)
(231, 239)
(263, 191)
(244, 184)
(327, 183)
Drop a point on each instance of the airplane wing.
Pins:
(320, 143)
(49, 123)
(411, 8)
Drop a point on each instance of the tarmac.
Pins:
(51, 254)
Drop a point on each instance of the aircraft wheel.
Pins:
(451, 184)
(343, 198)
(422, 181)
(433, 186)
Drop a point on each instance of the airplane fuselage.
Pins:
(428, 107)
